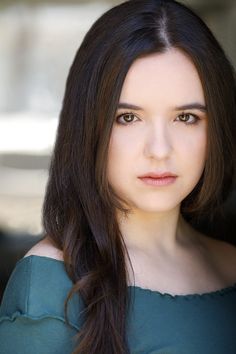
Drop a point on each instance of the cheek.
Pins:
(116, 157)
(123, 153)
(200, 146)
(195, 150)
(122, 148)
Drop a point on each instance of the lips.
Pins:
(158, 179)
(158, 175)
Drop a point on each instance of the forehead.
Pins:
(167, 78)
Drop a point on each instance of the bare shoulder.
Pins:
(45, 248)
(224, 256)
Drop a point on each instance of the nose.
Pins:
(158, 144)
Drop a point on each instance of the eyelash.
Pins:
(182, 114)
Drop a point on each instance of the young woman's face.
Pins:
(165, 132)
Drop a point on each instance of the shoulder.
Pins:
(37, 289)
(45, 248)
(223, 255)
(32, 314)
(37, 285)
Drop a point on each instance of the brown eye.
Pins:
(126, 118)
(188, 118)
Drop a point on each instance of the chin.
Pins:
(155, 207)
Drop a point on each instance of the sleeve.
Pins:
(32, 319)
(26, 335)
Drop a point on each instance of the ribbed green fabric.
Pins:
(32, 316)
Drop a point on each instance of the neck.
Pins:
(150, 232)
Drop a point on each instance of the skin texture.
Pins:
(166, 253)
(157, 138)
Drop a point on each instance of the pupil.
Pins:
(128, 117)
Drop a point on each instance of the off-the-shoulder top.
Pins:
(32, 316)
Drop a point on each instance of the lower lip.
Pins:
(162, 181)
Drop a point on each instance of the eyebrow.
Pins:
(194, 105)
(129, 106)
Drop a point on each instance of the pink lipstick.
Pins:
(158, 179)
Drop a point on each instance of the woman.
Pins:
(145, 142)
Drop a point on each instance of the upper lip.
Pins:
(158, 175)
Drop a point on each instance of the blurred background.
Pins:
(38, 41)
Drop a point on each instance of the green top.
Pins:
(32, 316)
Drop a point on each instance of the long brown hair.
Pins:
(79, 212)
